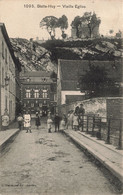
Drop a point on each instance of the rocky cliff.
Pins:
(32, 56)
(36, 56)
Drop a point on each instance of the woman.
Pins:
(75, 122)
(37, 120)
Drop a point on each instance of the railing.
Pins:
(107, 129)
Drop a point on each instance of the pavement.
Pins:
(110, 157)
(107, 155)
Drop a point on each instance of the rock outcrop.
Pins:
(31, 55)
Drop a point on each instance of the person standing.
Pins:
(37, 120)
(71, 119)
(57, 121)
(5, 120)
(81, 115)
(27, 122)
(20, 121)
(49, 124)
(63, 122)
(75, 122)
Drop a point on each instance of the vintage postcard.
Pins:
(61, 87)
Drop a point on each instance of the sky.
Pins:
(23, 21)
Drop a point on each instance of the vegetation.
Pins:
(51, 23)
(63, 24)
(97, 83)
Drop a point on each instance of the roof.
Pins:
(71, 70)
(6, 37)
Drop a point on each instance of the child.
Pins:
(75, 122)
(49, 124)
(63, 122)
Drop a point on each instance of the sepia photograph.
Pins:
(61, 97)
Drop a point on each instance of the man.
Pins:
(20, 121)
(81, 115)
(81, 110)
(57, 121)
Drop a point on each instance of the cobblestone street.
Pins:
(48, 163)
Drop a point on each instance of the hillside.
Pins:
(33, 57)
(44, 56)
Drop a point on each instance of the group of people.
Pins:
(73, 120)
(75, 117)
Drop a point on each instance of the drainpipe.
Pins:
(0, 97)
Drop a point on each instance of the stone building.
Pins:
(84, 31)
(9, 76)
(38, 92)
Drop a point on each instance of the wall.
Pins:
(114, 106)
(8, 93)
(92, 106)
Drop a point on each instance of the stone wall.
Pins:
(92, 106)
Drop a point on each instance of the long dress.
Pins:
(27, 119)
(75, 120)
(37, 121)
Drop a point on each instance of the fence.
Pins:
(107, 129)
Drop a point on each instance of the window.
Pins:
(36, 93)
(28, 93)
(45, 93)
(24, 105)
(2, 49)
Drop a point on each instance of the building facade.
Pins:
(38, 92)
(9, 76)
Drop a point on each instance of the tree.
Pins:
(50, 23)
(63, 24)
(91, 20)
(76, 23)
(95, 81)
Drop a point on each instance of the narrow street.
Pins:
(48, 163)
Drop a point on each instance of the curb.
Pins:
(7, 141)
(115, 171)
